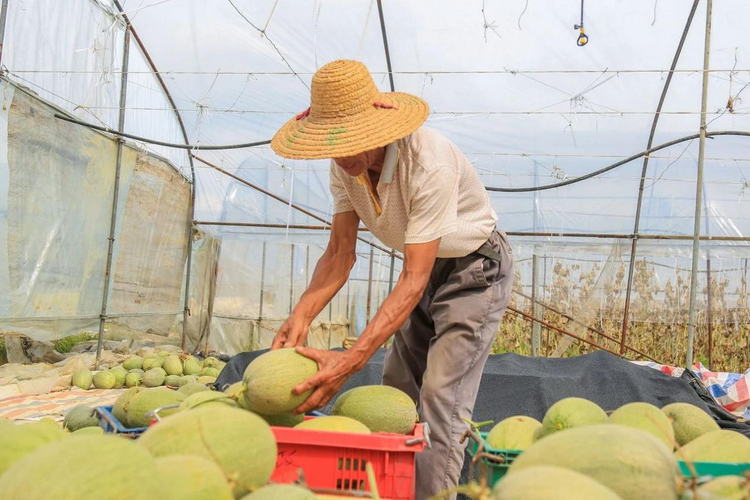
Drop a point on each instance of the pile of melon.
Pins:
(207, 444)
(578, 451)
(160, 369)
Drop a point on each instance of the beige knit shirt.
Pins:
(434, 193)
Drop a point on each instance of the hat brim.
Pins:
(314, 138)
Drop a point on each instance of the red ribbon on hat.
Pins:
(383, 105)
(304, 114)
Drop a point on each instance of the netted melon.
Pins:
(717, 446)
(283, 420)
(725, 488)
(172, 365)
(334, 424)
(236, 391)
(82, 379)
(281, 492)
(211, 362)
(154, 377)
(645, 417)
(206, 380)
(79, 417)
(548, 482)
(133, 379)
(152, 362)
(150, 399)
(120, 375)
(163, 354)
(88, 431)
(188, 379)
(191, 366)
(24, 439)
(104, 380)
(689, 422)
(133, 362)
(572, 412)
(270, 378)
(200, 399)
(173, 381)
(190, 477)
(630, 462)
(192, 388)
(238, 441)
(100, 467)
(381, 408)
(120, 408)
(513, 433)
(209, 372)
(538, 434)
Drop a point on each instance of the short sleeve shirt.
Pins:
(435, 192)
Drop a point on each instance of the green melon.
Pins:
(152, 362)
(120, 408)
(236, 391)
(150, 399)
(88, 431)
(206, 380)
(538, 434)
(725, 488)
(379, 407)
(154, 377)
(104, 380)
(201, 399)
(188, 379)
(238, 441)
(334, 424)
(191, 366)
(100, 467)
(717, 446)
(79, 417)
(82, 379)
(630, 462)
(210, 362)
(284, 420)
(549, 482)
(192, 388)
(119, 374)
(513, 433)
(133, 362)
(173, 381)
(281, 492)
(133, 379)
(138, 371)
(190, 477)
(270, 378)
(163, 354)
(172, 365)
(645, 417)
(689, 422)
(572, 412)
(24, 439)
(209, 372)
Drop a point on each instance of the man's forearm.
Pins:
(331, 273)
(392, 314)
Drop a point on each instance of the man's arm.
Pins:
(331, 273)
(334, 368)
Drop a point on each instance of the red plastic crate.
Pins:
(337, 460)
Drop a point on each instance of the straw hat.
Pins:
(348, 115)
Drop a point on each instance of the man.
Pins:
(418, 194)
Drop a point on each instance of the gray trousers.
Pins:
(438, 355)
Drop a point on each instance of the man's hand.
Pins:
(334, 368)
(292, 333)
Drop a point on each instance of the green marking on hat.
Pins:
(332, 139)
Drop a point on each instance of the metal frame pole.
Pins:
(639, 205)
(699, 189)
(115, 194)
(369, 284)
(709, 293)
(390, 278)
(536, 327)
(3, 19)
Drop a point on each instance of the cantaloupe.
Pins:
(87, 431)
(284, 420)
(236, 391)
(150, 399)
(380, 407)
(630, 462)
(513, 433)
(173, 381)
(281, 492)
(689, 422)
(645, 417)
(133, 362)
(152, 362)
(119, 374)
(717, 446)
(133, 379)
(120, 408)
(172, 365)
(191, 366)
(238, 441)
(725, 488)
(192, 388)
(100, 467)
(82, 379)
(572, 412)
(209, 372)
(334, 424)
(205, 380)
(200, 399)
(154, 377)
(270, 378)
(190, 477)
(549, 482)
(23, 439)
(80, 416)
(104, 380)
